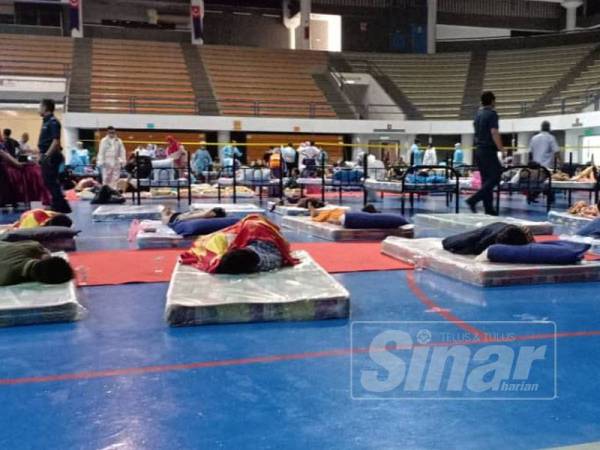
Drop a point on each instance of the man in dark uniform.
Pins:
(488, 143)
(51, 156)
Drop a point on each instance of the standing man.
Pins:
(488, 143)
(51, 157)
(111, 157)
(543, 147)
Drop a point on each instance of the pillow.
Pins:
(554, 252)
(361, 220)
(199, 227)
(38, 234)
(592, 229)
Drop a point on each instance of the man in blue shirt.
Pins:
(488, 143)
(416, 154)
(51, 157)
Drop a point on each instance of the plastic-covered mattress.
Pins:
(396, 186)
(428, 253)
(232, 209)
(290, 210)
(574, 185)
(35, 303)
(568, 223)
(332, 232)
(106, 213)
(457, 223)
(155, 234)
(302, 292)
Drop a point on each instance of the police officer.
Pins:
(488, 143)
(51, 156)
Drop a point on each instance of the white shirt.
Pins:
(430, 158)
(543, 146)
(111, 152)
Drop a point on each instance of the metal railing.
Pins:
(234, 107)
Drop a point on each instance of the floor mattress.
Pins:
(35, 303)
(429, 254)
(332, 232)
(232, 209)
(290, 210)
(302, 292)
(458, 223)
(108, 213)
(155, 234)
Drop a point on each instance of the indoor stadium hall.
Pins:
(300, 224)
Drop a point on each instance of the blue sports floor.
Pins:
(122, 379)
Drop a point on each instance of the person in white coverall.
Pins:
(111, 157)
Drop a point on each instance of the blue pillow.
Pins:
(592, 229)
(363, 220)
(554, 252)
(199, 227)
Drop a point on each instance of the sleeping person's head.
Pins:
(514, 235)
(52, 270)
(219, 212)
(60, 220)
(239, 261)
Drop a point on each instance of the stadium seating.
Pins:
(39, 56)
(144, 77)
(435, 84)
(523, 76)
(576, 92)
(266, 82)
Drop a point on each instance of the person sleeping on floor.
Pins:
(368, 218)
(504, 243)
(22, 262)
(300, 202)
(254, 244)
(170, 217)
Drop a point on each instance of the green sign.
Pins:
(150, 125)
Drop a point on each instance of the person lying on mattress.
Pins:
(368, 218)
(36, 218)
(25, 261)
(170, 217)
(254, 244)
(300, 202)
(474, 242)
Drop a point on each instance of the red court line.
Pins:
(131, 371)
(412, 285)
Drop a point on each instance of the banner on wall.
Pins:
(74, 6)
(197, 15)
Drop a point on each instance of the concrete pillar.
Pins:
(224, 137)
(467, 145)
(303, 31)
(291, 23)
(71, 136)
(431, 25)
(523, 139)
(571, 7)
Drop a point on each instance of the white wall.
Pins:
(447, 32)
